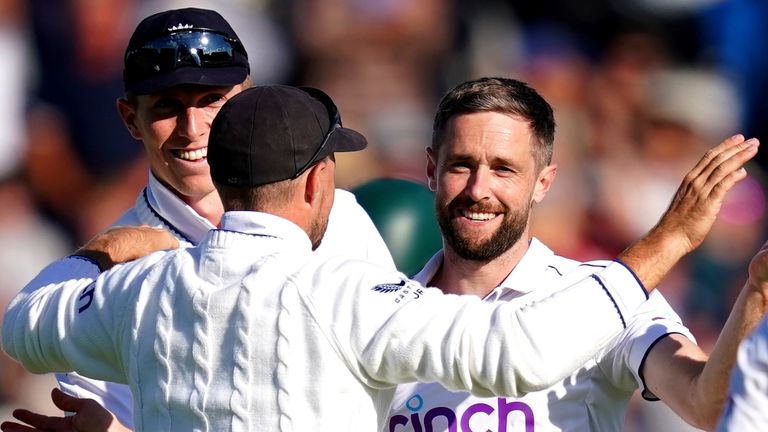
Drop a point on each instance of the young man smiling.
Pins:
(181, 66)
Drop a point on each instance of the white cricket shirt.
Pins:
(594, 398)
(251, 331)
(350, 231)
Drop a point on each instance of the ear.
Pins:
(128, 114)
(431, 168)
(316, 180)
(544, 182)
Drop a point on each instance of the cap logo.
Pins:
(180, 27)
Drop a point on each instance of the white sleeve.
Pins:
(71, 318)
(397, 331)
(117, 398)
(747, 407)
(351, 233)
(625, 359)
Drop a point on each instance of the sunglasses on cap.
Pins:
(335, 122)
(199, 47)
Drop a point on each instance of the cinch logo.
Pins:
(426, 423)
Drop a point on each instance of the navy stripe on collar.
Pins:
(165, 221)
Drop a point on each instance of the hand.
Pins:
(699, 198)
(692, 212)
(89, 417)
(122, 244)
(758, 268)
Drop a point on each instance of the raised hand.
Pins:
(88, 416)
(758, 269)
(692, 212)
(122, 244)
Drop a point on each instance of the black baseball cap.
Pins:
(270, 133)
(183, 46)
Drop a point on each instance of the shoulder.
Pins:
(345, 201)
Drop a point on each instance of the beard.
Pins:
(471, 248)
(317, 231)
(319, 225)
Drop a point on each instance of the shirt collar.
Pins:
(523, 278)
(178, 214)
(264, 224)
(520, 279)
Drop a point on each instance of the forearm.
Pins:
(711, 389)
(654, 255)
(29, 324)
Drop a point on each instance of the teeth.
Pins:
(479, 216)
(192, 155)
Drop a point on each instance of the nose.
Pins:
(478, 184)
(192, 123)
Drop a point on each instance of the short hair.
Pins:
(505, 96)
(267, 197)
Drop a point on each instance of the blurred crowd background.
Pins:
(640, 90)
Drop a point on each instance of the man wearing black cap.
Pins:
(251, 330)
(180, 67)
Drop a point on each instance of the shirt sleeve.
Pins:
(351, 232)
(117, 398)
(60, 322)
(399, 331)
(625, 357)
(746, 409)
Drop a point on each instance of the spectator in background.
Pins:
(82, 165)
(380, 60)
(28, 240)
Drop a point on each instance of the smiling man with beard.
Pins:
(489, 163)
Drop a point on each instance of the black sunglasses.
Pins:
(195, 47)
(335, 122)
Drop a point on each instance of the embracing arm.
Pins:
(679, 373)
(59, 319)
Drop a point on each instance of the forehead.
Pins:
(190, 91)
(489, 133)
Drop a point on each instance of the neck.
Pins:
(458, 275)
(208, 206)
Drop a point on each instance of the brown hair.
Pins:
(502, 95)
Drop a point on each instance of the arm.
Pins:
(680, 373)
(88, 416)
(522, 343)
(59, 321)
(692, 212)
(747, 407)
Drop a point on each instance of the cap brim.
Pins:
(346, 140)
(225, 76)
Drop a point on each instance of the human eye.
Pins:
(212, 100)
(165, 105)
(459, 165)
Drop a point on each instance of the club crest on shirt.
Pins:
(402, 290)
(389, 287)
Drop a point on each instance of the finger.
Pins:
(9, 426)
(734, 156)
(65, 402)
(721, 188)
(37, 420)
(716, 151)
(719, 166)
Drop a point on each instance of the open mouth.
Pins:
(478, 216)
(191, 155)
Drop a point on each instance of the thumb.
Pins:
(65, 402)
